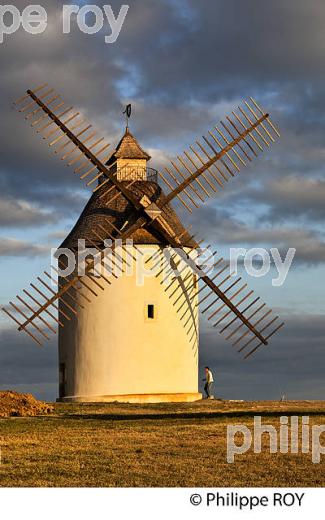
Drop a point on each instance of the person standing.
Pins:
(208, 383)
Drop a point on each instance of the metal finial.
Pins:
(127, 113)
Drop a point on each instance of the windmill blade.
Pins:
(59, 129)
(226, 301)
(194, 177)
(208, 165)
(47, 300)
(222, 288)
(189, 180)
(216, 295)
(85, 286)
(72, 291)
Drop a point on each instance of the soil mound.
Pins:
(14, 404)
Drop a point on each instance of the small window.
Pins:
(151, 312)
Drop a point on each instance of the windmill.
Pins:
(118, 340)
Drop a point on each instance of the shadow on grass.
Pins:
(189, 415)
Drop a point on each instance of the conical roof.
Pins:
(128, 148)
(105, 210)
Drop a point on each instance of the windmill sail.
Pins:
(194, 177)
(209, 164)
(86, 286)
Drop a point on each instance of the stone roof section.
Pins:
(110, 212)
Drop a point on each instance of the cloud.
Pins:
(58, 235)
(27, 169)
(20, 213)
(221, 228)
(10, 247)
(173, 103)
(227, 52)
(292, 197)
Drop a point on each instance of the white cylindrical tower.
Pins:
(137, 341)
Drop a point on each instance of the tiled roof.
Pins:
(99, 211)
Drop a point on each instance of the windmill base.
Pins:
(133, 398)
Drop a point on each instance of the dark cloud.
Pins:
(27, 169)
(239, 45)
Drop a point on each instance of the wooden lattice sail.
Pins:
(192, 178)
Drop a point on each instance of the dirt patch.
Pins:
(13, 404)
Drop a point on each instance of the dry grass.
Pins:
(150, 445)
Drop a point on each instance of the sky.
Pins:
(183, 65)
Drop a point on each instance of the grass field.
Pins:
(121, 445)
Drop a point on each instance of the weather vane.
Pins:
(128, 112)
